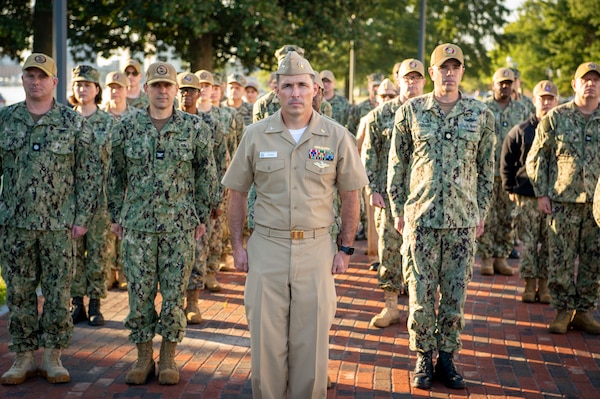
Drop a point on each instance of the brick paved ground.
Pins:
(507, 352)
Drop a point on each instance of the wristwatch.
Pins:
(346, 250)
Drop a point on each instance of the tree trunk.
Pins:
(201, 52)
(42, 28)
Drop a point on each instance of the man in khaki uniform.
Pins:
(296, 159)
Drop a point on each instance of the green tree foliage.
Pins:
(16, 19)
(550, 39)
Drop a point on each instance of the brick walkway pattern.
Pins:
(507, 351)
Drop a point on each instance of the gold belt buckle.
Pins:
(296, 234)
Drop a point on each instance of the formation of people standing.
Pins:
(170, 182)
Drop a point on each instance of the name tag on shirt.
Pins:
(268, 154)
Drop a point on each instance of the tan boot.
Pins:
(583, 321)
(121, 282)
(143, 367)
(560, 324)
(52, 369)
(390, 314)
(529, 293)
(502, 267)
(23, 368)
(192, 311)
(211, 282)
(487, 267)
(329, 382)
(111, 279)
(167, 368)
(543, 293)
(226, 264)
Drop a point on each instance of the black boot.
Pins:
(423, 377)
(96, 318)
(78, 311)
(446, 372)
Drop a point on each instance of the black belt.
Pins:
(291, 234)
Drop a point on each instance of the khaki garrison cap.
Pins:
(411, 65)
(585, 68)
(445, 52)
(207, 77)
(545, 88)
(85, 73)
(117, 77)
(503, 74)
(294, 64)
(188, 79)
(133, 63)
(161, 72)
(41, 61)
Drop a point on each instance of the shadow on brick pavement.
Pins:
(507, 351)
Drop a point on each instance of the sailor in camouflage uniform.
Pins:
(161, 190)
(530, 222)
(95, 251)
(51, 173)
(497, 241)
(358, 111)
(564, 165)
(135, 95)
(376, 148)
(340, 107)
(440, 180)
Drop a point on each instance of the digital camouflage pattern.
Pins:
(150, 260)
(356, 113)
(141, 102)
(450, 254)
(170, 177)
(564, 165)
(532, 229)
(50, 183)
(268, 104)
(95, 252)
(375, 152)
(440, 171)
(340, 108)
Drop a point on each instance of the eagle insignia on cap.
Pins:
(412, 64)
(449, 50)
(506, 72)
(593, 66)
(40, 59)
(548, 87)
(161, 70)
(116, 76)
(203, 75)
(187, 78)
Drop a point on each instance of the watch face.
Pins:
(347, 250)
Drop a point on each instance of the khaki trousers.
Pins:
(290, 304)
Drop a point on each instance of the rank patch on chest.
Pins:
(160, 154)
(320, 154)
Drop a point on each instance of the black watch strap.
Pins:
(346, 250)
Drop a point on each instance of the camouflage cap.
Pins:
(375, 78)
(188, 79)
(281, 52)
(545, 88)
(237, 78)
(327, 74)
(117, 77)
(41, 61)
(206, 77)
(217, 78)
(585, 68)
(411, 65)
(85, 73)
(133, 63)
(503, 74)
(445, 52)
(161, 72)
(386, 86)
(294, 64)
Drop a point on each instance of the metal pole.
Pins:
(351, 77)
(59, 15)
(422, 24)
